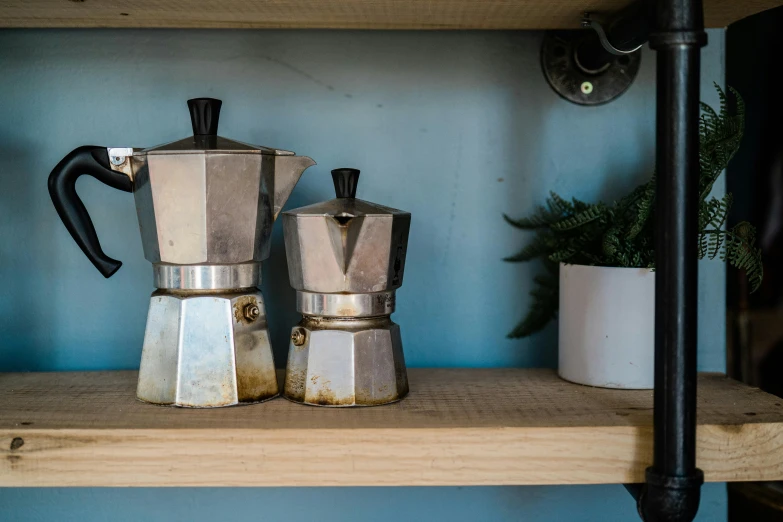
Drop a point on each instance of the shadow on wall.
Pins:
(23, 305)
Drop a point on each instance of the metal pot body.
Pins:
(206, 350)
(346, 258)
(346, 362)
(204, 208)
(346, 251)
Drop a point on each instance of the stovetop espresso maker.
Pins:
(206, 205)
(346, 259)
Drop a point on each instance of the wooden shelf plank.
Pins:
(342, 14)
(457, 427)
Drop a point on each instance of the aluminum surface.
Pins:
(351, 252)
(346, 257)
(206, 219)
(204, 351)
(287, 171)
(346, 207)
(195, 145)
(346, 363)
(213, 207)
(345, 305)
(206, 277)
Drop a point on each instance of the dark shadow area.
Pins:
(755, 176)
(279, 296)
(21, 347)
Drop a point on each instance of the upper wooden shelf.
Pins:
(457, 427)
(337, 14)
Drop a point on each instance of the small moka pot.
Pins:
(345, 260)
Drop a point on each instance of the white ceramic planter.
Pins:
(606, 321)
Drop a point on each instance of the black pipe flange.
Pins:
(670, 499)
(580, 70)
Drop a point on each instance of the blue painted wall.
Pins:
(454, 127)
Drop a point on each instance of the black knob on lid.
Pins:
(204, 115)
(345, 181)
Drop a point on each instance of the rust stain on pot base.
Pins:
(383, 395)
(256, 377)
(295, 385)
(239, 308)
(380, 380)
(326, 397)
(254, 385)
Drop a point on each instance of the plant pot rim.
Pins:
(562, 264)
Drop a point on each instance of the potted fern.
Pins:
(599, 262)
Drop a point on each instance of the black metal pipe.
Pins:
(673, 484)
(676, 273)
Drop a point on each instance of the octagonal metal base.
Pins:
(346, 362)
(206, 351)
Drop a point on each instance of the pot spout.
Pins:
(288, 170)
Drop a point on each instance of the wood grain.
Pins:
(458, 427)
(342, 14)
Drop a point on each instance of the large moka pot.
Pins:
(206, 206)
(346, 259)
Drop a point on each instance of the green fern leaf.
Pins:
(558, 204)
(740, 251)
(539, 247)
(591, 213)
(622, 234)
(545, 301)
(540, 218)
(643, 208)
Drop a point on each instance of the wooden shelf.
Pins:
(457, 427)
(344, 14)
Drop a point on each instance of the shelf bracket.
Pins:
(595, 25)
(596, 66)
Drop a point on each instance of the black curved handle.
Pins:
(345, 181)
(62, 188)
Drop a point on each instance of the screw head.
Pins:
(251, 312)
(586, 87)
(117, 160)
(298, 336)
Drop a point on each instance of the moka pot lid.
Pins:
(345, 206)
(204, 116)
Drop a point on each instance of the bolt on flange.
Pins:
(586, 87)
(298, 336)
(251, 312)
